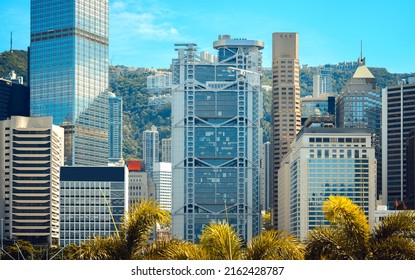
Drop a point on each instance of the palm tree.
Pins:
(394, 237)
(274, 245)
(221, 242)
(129, 242)
(174, 249)
(349, 237)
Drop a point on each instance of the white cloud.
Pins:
(132, 21)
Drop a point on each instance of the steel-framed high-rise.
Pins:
(216, 138)
(69, 74)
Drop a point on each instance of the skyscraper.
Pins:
(216, 138)
(166, 150)
(285, 108)
(150, 148)
(359, 105)
(115, 136)
(397, 124)
(69, 74)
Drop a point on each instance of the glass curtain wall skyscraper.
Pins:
(216, 138)
(69, 74)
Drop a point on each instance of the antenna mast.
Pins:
(11, 41)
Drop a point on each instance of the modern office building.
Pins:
(166, 150)
(162, 182)
(217, 138)
(93, 201)
(285, 107)
(140, 186)
(159, 82)
(323, 105)
(69, 74)
(322, 81)
(115, 134)
(150, 148)
(14, 100)
(31, 151)
(324, 162)
(398, 121)
(359, 105)
(266, 180)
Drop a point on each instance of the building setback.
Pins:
(216, 138)
(285, 107)
(93, 202)
(69, 74)
(324, 162)
(32, 152)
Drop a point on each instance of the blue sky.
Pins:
(143, 32)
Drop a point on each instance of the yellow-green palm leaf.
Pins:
(221, 242)
(274, 245)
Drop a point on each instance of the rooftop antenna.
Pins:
(361, 59)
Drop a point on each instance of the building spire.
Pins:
(361, 60)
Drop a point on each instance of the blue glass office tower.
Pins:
(216, 138)
(115, 128)
(69, 74)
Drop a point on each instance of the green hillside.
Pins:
(130, 83)
(16, 60)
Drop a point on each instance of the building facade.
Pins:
(359, 105)
(166, 150)
(285, 107)
(216, 138)
(69, 74)
(115, 134)
(93, 201)
(160, 82)
(32, 152)
(317, 106)
(140, 186)
(150, 148)
(14, 100)
(324, 162)
(266, 193)
(162, 182)
(398, 120)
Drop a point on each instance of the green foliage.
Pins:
(274, 245)
(221, 242)
(349, 238)
(16, 60)
(129, 242)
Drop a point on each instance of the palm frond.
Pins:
(102, 248)
(174, 249)
(399, 224)
(328, 243)
(394, 248)
(221, 242)
(138, 223)
(274, 245)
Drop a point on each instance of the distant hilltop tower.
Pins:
(11, 41)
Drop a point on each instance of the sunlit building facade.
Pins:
(217, 138)
(69, 74)
(324, 162)
(93, 201)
